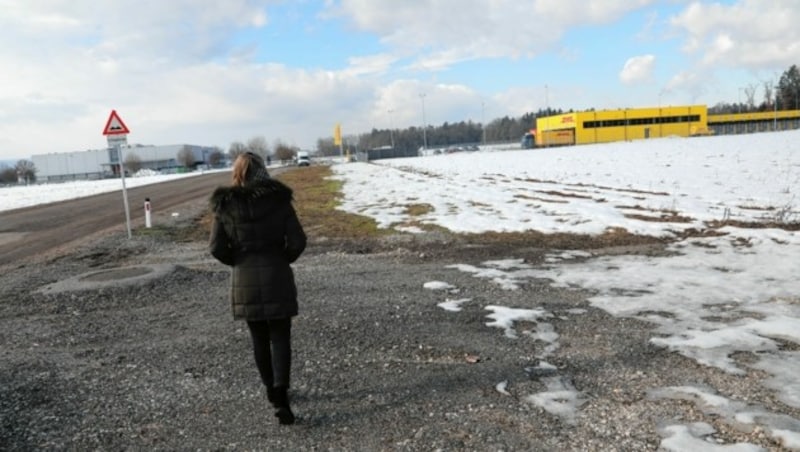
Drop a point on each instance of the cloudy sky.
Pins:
(210, 72)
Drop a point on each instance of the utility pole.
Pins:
(483, 121)
(391, 126)
(546, 112)
(424, 123)
(775, 104)
(775, 108)
(546, 101)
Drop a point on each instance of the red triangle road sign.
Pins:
(115, 126)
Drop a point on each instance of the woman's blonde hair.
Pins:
(245, 166)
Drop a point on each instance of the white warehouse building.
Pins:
(104, 163)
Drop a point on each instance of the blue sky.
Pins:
(209, 72)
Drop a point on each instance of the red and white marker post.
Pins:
(147, 222)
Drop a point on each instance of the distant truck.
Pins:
(528, 140)
(302, 158)
(547, 138)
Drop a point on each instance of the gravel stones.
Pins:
(153, 361)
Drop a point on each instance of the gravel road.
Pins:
(38, 229)
(121, 344)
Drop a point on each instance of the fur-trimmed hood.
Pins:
(269, 190)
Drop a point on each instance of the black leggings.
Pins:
(272, 347)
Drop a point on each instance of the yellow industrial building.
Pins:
(605, 126)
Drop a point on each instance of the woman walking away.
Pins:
(256, 231)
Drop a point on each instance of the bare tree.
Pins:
(132, 162)
(284, 151)
(26, 170)
(215, 157)
(768, 98)
(8, 175)
(258, 146)
(186, 157)
(750, 94)
(236, 148)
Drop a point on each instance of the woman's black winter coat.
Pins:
(266, 237)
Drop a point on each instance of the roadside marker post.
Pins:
(116, 133)
(147, 223)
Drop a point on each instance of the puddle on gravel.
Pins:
(110, 277)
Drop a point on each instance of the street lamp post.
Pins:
(483, 121)
(775, 110)
(775, 105)
(547, 112)
(424, 123)
(391, 126)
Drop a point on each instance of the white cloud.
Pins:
(370, 65)
(720, 48)
(694, 83)
(748, 33)
(450, 31)
(637, 69)
(682, 80)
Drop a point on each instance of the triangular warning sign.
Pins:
(115, 126)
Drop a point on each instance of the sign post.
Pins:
(116, 133)
(337, 138)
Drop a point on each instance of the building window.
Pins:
(640, 121)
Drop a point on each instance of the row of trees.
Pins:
(217, 156)
(783, 96)
(503, 129)
(185, 158)
(258, 145)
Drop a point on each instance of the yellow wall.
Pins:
(758, 116)
(627, 124)
(553, 123)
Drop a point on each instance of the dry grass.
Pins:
(316, 198)
(416, 210)
(669, 217)
(787, 226)
(612, 237)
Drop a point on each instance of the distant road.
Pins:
(35, 230)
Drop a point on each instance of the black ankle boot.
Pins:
(283, 412)
(271, 396)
